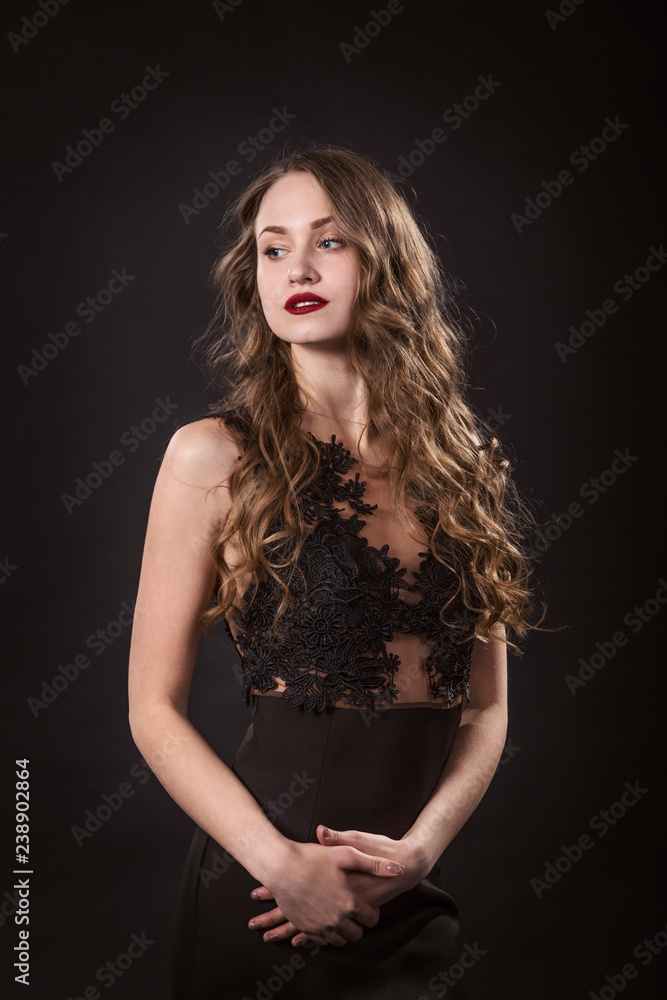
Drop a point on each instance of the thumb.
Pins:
(373, 864)
(338, 838)
(329, 837)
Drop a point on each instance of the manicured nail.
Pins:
(326, 832)
(255, 894)
(395, 869)
(253, 925)
(271, 937)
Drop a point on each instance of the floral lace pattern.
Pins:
(346, 605)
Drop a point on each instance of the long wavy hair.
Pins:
(408, 343)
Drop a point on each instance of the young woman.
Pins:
(349, 520)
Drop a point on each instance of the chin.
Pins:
(311, 335)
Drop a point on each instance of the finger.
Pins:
(367, 915)
(286, 930)
(350, 929)
(334, 936)
(318, 939)
(327, 935)
(268, 919)
(346, 930)
(300, 939)
(261, 892)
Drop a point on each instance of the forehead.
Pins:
(292, 201)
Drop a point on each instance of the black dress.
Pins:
(351, 727)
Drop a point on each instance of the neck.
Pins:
(327, 387)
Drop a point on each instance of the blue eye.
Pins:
(271, 250)
(275, 253)
(331, 239)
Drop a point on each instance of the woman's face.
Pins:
(301, 257)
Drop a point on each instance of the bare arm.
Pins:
(178, 575)
(473, 759)
(177, 579)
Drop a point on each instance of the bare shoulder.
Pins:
(203, 453)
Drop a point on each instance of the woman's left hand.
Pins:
(373, 888)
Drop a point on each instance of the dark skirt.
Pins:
(349, 769)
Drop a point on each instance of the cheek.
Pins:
(351, 280)
(351, 272)
(265, 287)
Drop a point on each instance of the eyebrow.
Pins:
(317, 224)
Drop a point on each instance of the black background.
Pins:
(67, 573)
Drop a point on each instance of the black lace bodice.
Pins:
(331, 643)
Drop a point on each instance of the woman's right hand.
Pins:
(313, 894)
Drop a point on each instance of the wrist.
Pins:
(420, 857)
(276, 857)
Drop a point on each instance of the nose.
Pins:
(302, 268)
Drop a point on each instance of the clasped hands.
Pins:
(339, 892)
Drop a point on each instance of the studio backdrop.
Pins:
(527, 140)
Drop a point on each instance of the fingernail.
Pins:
(271, 937)
(326, 832)
(253, 925)
(395, 869)
(254, 895)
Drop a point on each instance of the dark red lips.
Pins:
(312, 302)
